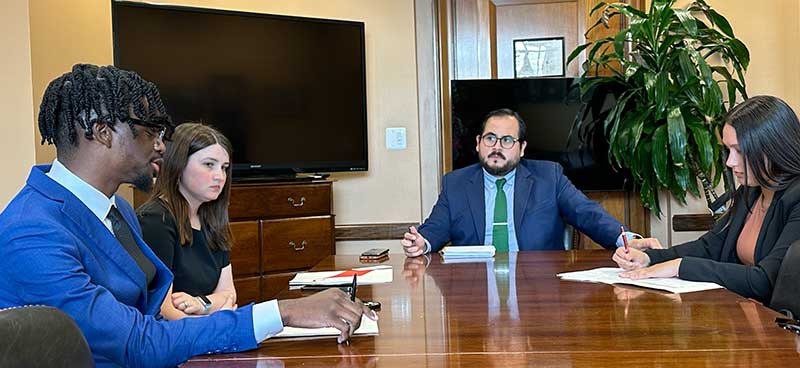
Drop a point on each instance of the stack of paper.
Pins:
(367, 327)
(608, 275)
(467, 252)
(366, 276)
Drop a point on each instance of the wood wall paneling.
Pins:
(626, 207)
(473, 39)
(699, 222)
(372, 231)
(542, 20)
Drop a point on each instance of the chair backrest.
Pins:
(786, 294)
(568, 236)
(40, 336)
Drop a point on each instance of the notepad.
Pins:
(609, 275)
(368, 327)
(366, 276)
(468, 251)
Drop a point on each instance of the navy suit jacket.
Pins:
(54, 251)
(543, 200)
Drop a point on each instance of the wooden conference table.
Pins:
(449, 315)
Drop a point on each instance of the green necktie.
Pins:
(500, 226)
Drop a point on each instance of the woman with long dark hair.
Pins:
(744, 250)
(185, 221)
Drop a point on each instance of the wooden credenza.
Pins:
(278, 229)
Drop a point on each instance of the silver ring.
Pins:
(183, 304)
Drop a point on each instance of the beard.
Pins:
(509, 165)
(143, 183)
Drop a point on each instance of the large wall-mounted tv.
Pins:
(549, 107)
(289, 92)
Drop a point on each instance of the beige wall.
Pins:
(16, 106)
(770, 30)
(64, 33)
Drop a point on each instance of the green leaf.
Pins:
(740, 52)
(660, 154)
(682, 178)
(577, 52)
(598, 6)
(661, 94)
(702, 140)
(687, 20)
(619, 43)
(692, 187)
(721, 23)
(677, 136)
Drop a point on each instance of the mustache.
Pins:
(497, 154)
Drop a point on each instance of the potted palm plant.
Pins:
(679, 71)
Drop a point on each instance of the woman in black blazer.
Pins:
(744, 250)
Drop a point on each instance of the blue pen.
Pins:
(353, 290)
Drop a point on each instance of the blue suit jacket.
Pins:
(54, 251)
(543, 200)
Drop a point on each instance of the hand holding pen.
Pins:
(353, 289)
(624, 238)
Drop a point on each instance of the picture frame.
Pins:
(539, 57)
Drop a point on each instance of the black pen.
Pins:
(353, 289)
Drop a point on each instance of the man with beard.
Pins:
(67, 241)
(527, 214)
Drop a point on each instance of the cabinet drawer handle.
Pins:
(296, 248)
(291, 201)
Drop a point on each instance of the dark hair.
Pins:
(188, 139)
(768, 133)
(523, 129)
(91, 93)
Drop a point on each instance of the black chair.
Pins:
(786, 294)
(40, 336)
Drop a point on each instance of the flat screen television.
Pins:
(549, 107)
(289, 92)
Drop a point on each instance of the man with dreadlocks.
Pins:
(67, 241)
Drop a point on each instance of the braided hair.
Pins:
(90, 93)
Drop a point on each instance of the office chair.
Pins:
(786, 294)
(41, 336)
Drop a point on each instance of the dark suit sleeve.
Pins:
(436, 228)
(707, 246)
(585, 214)
(160, 233)
(749, 281)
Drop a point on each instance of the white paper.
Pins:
(368, 327)
(381, 274)
(468, 251)
(608, 275)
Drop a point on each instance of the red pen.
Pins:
(624, 238)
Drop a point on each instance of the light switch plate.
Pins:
(396, 138)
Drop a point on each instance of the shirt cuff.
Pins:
(266, 320)
(630, 235)
(427, 247)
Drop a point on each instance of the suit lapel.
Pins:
(477, 203)
(763, 233)
(522, 191)
(737, 224)
(97, 232)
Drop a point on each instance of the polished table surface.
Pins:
(447, 315)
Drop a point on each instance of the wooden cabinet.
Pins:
(278, 229)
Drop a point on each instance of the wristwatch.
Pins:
(205, 302)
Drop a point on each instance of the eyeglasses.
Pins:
(154, 130)
(788, 324)
(507, 141)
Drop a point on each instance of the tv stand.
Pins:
(279, 228)
(282, 177)
(270, 178)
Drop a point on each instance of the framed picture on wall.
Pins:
(539, 57)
